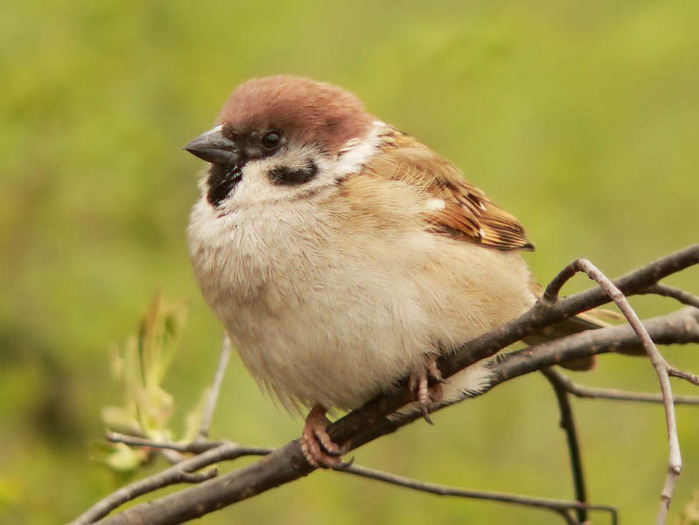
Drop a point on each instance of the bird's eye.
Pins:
(271, 140)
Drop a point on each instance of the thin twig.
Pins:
(675, 293)
(662, 368)
(567, 423)
(195, 447)
(171, 476)
(182, 472)
(679, 327)
(215, 389)
(559, 506)
(618, 395)
(687, 376)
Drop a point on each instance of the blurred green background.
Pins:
(582, 119)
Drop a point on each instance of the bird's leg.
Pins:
(427, 395)
(316, 445)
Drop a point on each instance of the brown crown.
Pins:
(306, 111)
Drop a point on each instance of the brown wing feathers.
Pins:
(456, 208)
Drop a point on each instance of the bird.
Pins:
(342, 255)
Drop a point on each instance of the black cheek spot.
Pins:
(287, 176)
(222, 181)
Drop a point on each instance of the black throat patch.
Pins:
(222, 180)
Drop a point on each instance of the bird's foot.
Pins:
(427, 395)
(317, 446)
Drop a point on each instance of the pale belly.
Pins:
(337, 345)
(329, 323)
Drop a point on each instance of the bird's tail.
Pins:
(590, 320)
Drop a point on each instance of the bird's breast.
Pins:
(316, 318)
(329, 307)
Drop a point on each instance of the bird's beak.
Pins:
(213, 147)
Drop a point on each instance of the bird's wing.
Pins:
(454, 207)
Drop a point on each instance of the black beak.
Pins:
(213, 147)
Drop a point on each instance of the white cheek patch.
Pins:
(256, 188)
(254, 184)
(355, 153)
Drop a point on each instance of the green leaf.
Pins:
(140, 369)
(120, 420)
(124, 459)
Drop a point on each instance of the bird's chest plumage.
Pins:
(311, 310)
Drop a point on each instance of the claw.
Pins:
(316, 445)
(423, 394)
(419, 384)
(426, 413)
(434, 371)
(345, 464)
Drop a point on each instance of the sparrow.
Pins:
(342, 255)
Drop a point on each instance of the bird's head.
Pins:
(279, 138)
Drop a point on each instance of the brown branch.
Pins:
(679, 327)
(541, 317)
(676, 372)
(208, 453)
(662, 368)
(567, 423)
(585, 392)
(561, 507)
(182, 472)
(371, 421)
(195, 447)
(675, 293)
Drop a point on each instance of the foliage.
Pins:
(140, 370)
